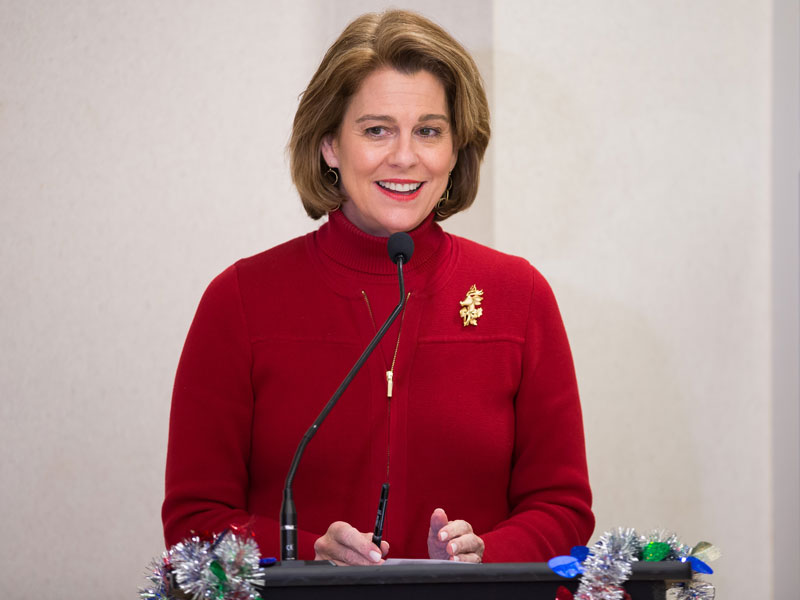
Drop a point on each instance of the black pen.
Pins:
(378, 534)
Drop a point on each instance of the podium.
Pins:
(507, 581)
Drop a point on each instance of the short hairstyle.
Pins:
(409, 43)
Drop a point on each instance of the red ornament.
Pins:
(563, 593)
(204, 535)
(244, 530)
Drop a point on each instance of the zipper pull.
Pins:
(389, 383)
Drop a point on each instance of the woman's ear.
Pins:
(328, 148)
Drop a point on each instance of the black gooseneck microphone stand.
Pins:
(400, 247)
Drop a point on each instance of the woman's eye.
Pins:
(377, 130)
(428, 131)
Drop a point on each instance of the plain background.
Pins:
(644, 158)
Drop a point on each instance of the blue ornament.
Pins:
(579, 552)
(566, 566)
(699, 566)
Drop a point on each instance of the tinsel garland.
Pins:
(226, 568)
(607, 565)
(229, 567)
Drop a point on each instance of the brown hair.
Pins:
(407, 42)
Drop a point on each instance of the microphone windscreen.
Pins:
(400, 244)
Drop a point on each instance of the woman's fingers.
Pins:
(469, 558)
(453, 540)
(359, 549)
(464, 545)
(436, 547)
(453, 529)
(438, 520)
(345, 545)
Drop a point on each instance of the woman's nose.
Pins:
(403, 153)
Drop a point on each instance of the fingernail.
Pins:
(455, 559)
(443, 535)
(455, 548)
(374, 556)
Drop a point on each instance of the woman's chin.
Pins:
(387, 223)
(396, 226)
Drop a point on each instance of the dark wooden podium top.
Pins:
(508, 581)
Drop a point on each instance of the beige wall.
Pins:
(644, 158)
(632, 166)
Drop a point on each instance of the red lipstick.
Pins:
(400, 196)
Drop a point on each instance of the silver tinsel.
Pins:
(697, 589)
(227, 569)
(191, 563)
(158, 575)
(608, 565)
(239, 557)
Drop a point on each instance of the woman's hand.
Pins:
(453, 540)
(346, 545)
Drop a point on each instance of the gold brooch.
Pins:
(470, 306)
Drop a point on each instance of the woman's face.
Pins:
(394, 151)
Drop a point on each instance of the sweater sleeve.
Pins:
(549, 495)
(210, 426)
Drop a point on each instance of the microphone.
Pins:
(400, 248)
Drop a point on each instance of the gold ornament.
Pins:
(470, 306)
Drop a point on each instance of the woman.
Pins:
(469, 406)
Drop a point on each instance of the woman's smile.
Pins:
(400, 189)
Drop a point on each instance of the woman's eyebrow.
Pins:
(388, 119)
(434, 117)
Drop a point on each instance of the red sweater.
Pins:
(484, 421)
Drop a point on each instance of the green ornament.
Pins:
(655, 551)
(217, 570)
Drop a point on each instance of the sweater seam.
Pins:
(292, 338)
(526, 343)
(509, 339)
(243, 315)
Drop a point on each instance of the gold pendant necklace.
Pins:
(390, 371)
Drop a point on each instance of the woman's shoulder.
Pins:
(278, 267)
(285, 256)
(504, 293)
(495, 265)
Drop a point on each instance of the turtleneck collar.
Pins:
(346, 245)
